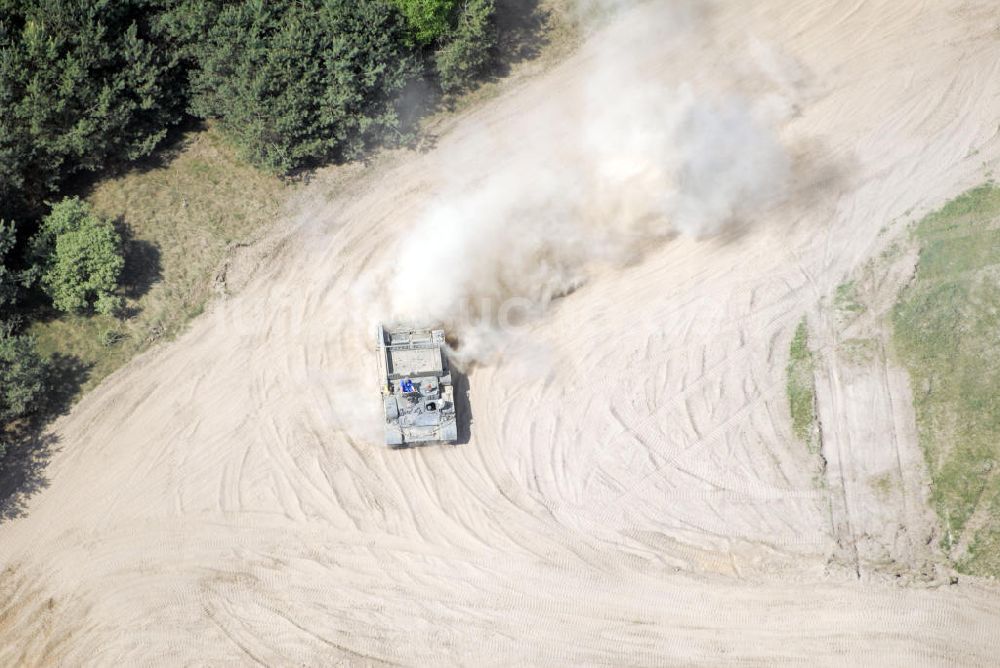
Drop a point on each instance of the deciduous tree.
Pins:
(81, 259)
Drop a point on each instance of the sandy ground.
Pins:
(208, 506)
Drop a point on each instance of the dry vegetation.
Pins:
(178, 219)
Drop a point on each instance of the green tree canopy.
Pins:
(467, 51)
(81, 258)
(82, 84)
(22, 374)
(304, 83)
(9, 277)
(428, 20)
(22, 378)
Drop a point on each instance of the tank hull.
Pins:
(418, 401)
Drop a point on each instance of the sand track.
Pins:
(631, 493)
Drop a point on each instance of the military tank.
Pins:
(418, 397)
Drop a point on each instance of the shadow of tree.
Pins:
(66, 374)
(29, 447)
(22, 469)
(420, 98)
(142, 262)
(176, 139)
(521, 32)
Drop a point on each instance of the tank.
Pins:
(418, 397)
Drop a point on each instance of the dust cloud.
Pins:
(593, 176)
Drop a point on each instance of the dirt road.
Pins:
(631, 492)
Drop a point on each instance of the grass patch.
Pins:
(802, 388)
(882, 485)
(177, 220)
(946, 328)
(983, 556)
(859, 352)
(845, 299)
